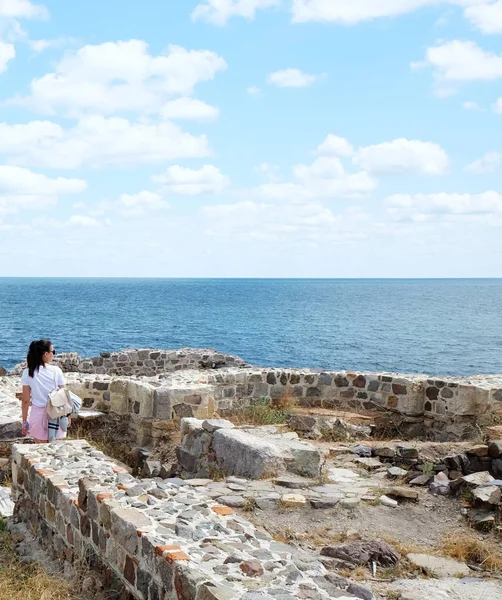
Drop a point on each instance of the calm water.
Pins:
(448, 327)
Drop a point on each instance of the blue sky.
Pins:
(251, 138)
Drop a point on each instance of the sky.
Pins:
(251, 138)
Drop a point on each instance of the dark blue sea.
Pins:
(443, 327)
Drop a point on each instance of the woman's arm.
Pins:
(25, 406)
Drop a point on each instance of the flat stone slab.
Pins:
(481, 478)
(447, 589)
(438, 566)
(258, 453)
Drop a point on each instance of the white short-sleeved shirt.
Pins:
(46, 379)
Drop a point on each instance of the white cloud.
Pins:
(42, 44)
(487, 17)
(486, 164)
(133, 205)
(334, 145)
(271, 172)
(7, 53)
(497, 107)
(293, 78)
(192, 182)
(22, 9)
(22, 188)
(472, 106)
(324, 178)
(254, 91)
(355, 11)
(423, 207)
(462, 61)
(305, 223)
(403, 156)
(219, 12)
(189, 109)
(97, 141)
(120, 76)
(83, 221)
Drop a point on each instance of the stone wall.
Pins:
(199, 383)
(147, 362)
(215, 447)
(152, 539)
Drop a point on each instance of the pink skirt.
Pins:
(39, 426)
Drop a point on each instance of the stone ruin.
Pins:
(175, 533)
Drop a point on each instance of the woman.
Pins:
(38, 381)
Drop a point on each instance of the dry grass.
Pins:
(27, 582)
(262, 413)
(470, 548)
(111, 436)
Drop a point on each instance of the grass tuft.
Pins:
(19, 581)
(470, 548)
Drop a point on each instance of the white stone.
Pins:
(386, 501)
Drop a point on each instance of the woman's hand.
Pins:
(25, 428)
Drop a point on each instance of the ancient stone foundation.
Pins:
(153, 387)
(153, 539)
(215, 446)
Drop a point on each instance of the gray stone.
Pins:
(407, 451)
(268, 501)
(395, 472)
(326, 502)
(360, 592)
(489, 494)
(421, 480)
(384, 451)
(482, 478)
(213, 425)
(438, 566)
(362, 450)
(232, 501)
(369, 463)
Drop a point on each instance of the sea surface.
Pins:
(441, 327)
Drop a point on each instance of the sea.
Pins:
(434, 326)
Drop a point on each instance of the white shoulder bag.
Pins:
(58, 402)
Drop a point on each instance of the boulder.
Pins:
(3, 371)
(256, 454)
(363, 553)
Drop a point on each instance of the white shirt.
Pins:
(46, 379)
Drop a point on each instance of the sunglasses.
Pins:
(52, 352)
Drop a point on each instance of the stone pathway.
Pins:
(240, 561)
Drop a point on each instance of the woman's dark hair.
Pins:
(35, 353)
